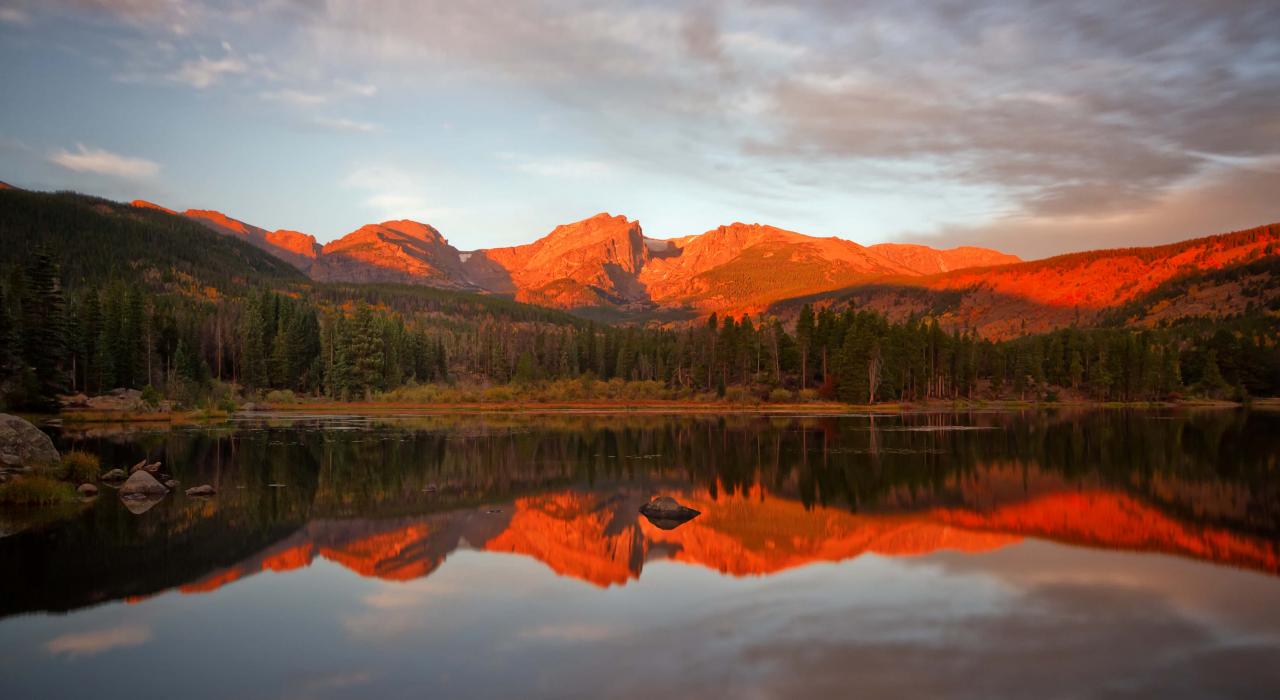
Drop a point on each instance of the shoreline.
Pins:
(82, 416)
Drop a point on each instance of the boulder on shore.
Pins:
(203, 490)
(24, 445)
(667, 513)
(145, 466)
(142, 485)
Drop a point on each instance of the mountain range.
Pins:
(606, 267)
(606, 262)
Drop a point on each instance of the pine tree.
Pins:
(44, 333)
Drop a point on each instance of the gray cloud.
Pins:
(1224, 201)
(1069, 115)
(1071, 108)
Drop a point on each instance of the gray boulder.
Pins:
(204, 490)
(142, 485)
(115, 475)
(24, 445)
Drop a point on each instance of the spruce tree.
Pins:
(44, 333)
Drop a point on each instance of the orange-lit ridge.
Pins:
(608, 261)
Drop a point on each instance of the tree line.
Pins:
(113, 334)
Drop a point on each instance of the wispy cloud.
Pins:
(204, 72)
(343, 124)
(99, 641)
(563, 167)
(393, 193)
(86, 159)
(299, 98)
(14, 15)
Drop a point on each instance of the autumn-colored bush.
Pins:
(79, 466)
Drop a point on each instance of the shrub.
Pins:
(36, 491)
(779, 395)
(79, 466)
(281, 396)
(808, 394)
(151, 397)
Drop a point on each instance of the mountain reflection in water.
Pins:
(397, 497)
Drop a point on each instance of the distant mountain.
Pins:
(594, 262)
(297, 249)
(394, 251)
(1195, 277)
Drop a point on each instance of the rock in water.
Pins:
(24, 445)
(204, 490)
(142, 485)
(667, 513)
(88, 490)
(115, 475)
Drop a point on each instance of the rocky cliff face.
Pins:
(394, 251)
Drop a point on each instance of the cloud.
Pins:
(14, 15)
(99, 641)
(392, 193)
(96, 160)
(343, 124)
(569, 168)
(294, 97)
(204, 72)
(1052, 113)
(1225, 200)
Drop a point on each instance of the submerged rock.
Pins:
(203, 490)
(115, 475)
(667, 513)
(24, 445)
(142, 485)
(88, 490)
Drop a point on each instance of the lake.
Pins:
(1049, 554)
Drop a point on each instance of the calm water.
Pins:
(1051, 554)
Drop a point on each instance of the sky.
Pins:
(1033, 127)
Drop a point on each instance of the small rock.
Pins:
(142, 484)
(88, 490)
(138, 467)
(431, 488)
(171, 484)
(114, 475)
(667, 513)
(494, 510)
(203, 490)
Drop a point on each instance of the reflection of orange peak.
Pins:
(391, 555)
(1118, 521)
(567, 532)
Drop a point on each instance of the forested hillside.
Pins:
(1042, 295)
(96, 296)
(95, 241)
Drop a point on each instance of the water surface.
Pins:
(1042, 554)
